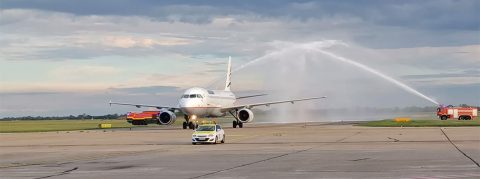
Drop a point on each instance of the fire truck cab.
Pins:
(142, 118)
(460, 113)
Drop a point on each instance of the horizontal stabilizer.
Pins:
(251, 96)
(144, 105)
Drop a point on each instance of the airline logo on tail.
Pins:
(228, 82)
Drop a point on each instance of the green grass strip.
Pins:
(421, 123)
(57, 125)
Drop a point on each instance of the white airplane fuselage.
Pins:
(201, 102)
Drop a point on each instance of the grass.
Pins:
(69, 125)
(421, 123)
(57, 125)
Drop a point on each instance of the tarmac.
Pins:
(314, 150)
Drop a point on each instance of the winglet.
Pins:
(110, 103)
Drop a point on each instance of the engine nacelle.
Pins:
(245, 115)
(166, 117)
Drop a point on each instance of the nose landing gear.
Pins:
(185, 125)
(189, 124)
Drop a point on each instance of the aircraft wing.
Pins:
(249, 106)
(144, 105)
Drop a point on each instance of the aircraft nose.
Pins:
(182, 103)
(189, 103)
(188, 106)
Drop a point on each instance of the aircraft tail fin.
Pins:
(228, 82)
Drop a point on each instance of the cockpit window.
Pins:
(192, 96)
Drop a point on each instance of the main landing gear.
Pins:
(189, 124)
(237, 123)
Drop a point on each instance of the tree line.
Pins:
(408, 109)
(70, 117)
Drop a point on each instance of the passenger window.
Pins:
(193, 96)
(210, 92)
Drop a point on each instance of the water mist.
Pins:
(311, 69)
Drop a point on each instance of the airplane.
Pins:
(199, 102)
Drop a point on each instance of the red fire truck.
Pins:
(142, 118)
(460, 113)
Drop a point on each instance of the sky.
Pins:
(71, 57)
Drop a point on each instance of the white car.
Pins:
(208, 133)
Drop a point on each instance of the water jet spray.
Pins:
(319, 47)
(373, 71)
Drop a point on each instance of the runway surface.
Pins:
(256, 151)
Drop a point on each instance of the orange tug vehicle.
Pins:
(460, 113)
(142, 118)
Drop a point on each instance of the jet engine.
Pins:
(167, 117)
(245, 115)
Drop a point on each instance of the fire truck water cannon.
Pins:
(460, 113)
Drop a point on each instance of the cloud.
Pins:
(64, 78)
(46, 31)
(52, 87)
(467, 73)
(70, 72)
(215, 63)
(44, 35)
(145, 90)
(129, 42)
(124, 47)
(436, 57)
(429, 14)
(447, 81)
(184, 80)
